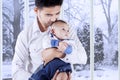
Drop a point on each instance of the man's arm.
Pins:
(19, 60)
(51, 53)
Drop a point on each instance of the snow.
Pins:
(103, 73)
(107, 74)
(6, 70)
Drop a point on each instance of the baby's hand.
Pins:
(62, 46)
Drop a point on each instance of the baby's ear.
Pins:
(52, 31)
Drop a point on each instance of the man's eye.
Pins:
(48, 14)
(58, 13)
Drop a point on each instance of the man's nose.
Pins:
(53, 19)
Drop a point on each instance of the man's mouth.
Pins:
(50, 23)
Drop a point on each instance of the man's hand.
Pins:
(51, 53)
(55, 76)
(69, 76)
(62, 46)
(57, 72)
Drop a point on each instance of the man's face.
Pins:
(47, 15)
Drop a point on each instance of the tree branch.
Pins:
(105, 37)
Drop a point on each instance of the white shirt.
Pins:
(27, 57)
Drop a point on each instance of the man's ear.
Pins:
(36, 10)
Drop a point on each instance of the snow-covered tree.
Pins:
(107, 20)
(98, 46)
(76, 12)
(84, 37)
(11, 25)
(111, 24)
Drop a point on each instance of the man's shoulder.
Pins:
(26, 32)
(28, 28)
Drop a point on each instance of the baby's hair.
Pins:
(61, 21)
(58, 21)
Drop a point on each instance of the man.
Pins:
(29, 52)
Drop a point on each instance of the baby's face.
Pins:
(62, 31)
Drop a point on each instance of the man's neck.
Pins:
(41, 27)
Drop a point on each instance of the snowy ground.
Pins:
(107, 73)
(104, 73)
(6, 70)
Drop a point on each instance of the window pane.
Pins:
(106, 39)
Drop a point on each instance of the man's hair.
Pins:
(48, 3)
